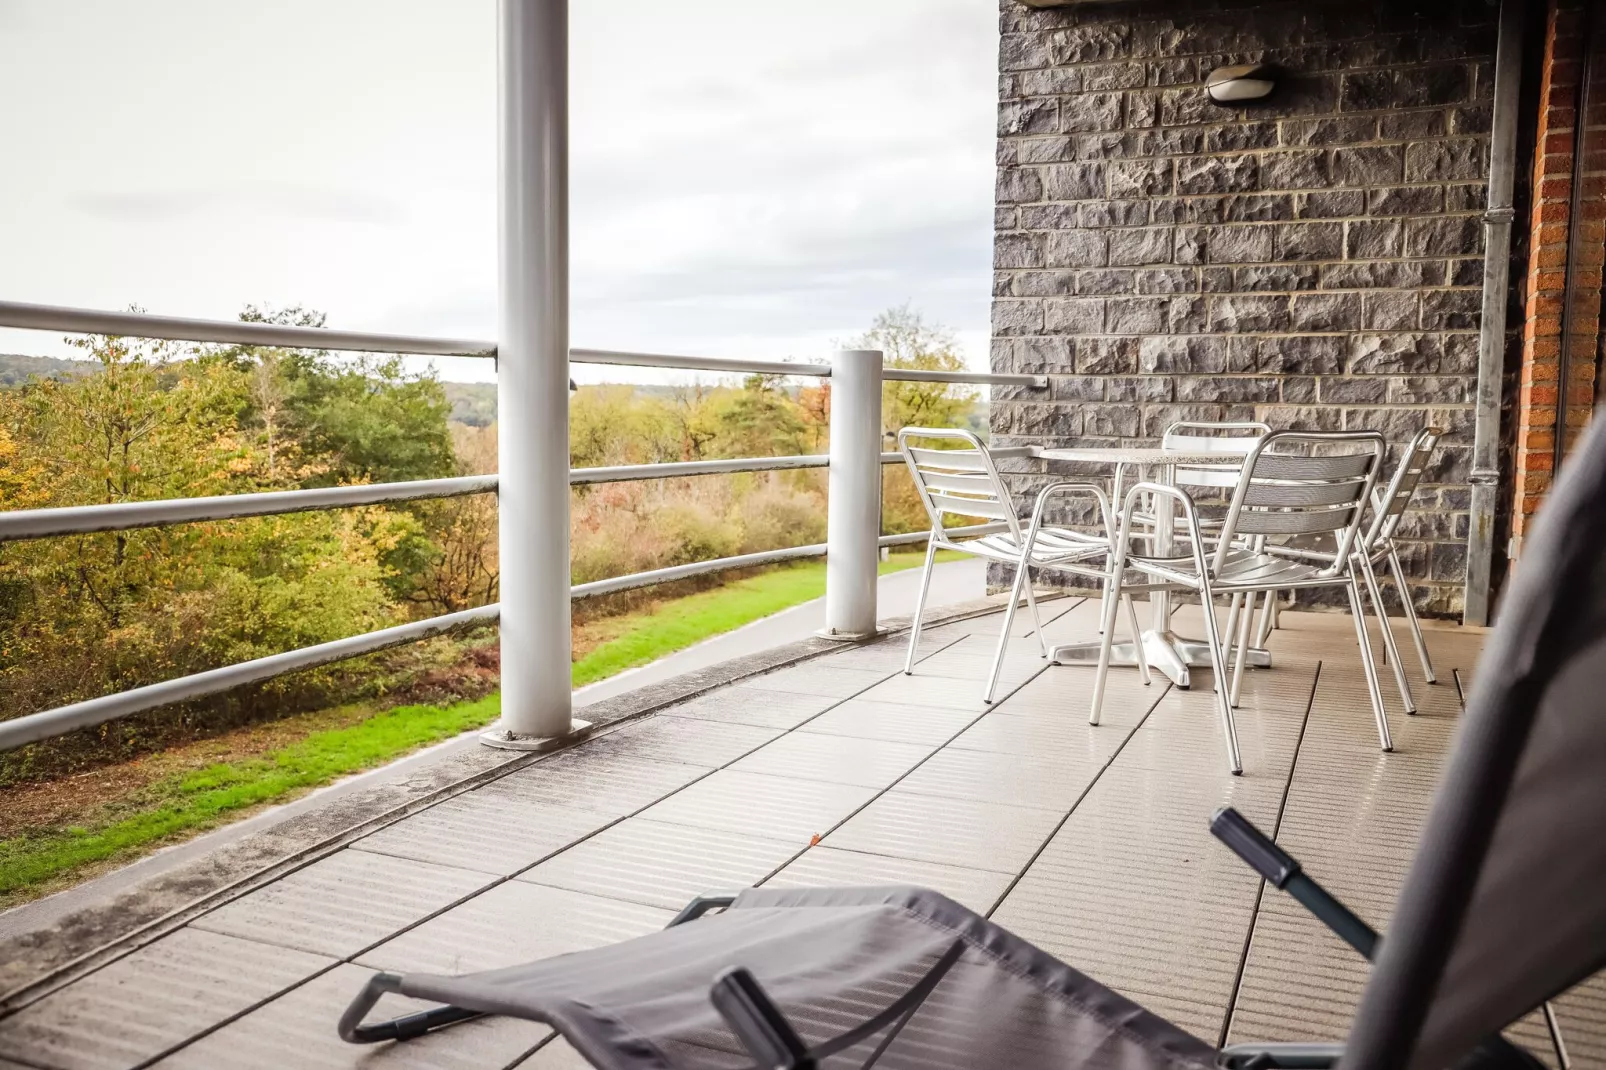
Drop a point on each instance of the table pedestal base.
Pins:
(1169, 654)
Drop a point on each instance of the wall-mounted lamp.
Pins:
(1239, 85)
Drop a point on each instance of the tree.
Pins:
(759, 420)
(908, 341)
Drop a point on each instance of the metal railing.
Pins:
(230, 332)
(853, 462)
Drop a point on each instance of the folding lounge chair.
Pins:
(1501, 910)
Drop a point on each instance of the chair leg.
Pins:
(1221, 682)
(1410, 615)
(1263, 629)
(1021, 573)
(1240, 655)
(1112, 587)
(1137, 641)
(920, 607)
(1370, 667)
(1389, 647)
(1218, 666)
(1037, 619)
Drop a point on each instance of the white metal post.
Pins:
(853, 517)
(532, 391)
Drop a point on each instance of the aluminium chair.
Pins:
(963, 481)
(1501, 911)
(1232, 439)
(1323, 488)
(1374, 548)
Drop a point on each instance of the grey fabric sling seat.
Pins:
(1503, 908)
(899, 977)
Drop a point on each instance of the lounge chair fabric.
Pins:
(830, 959)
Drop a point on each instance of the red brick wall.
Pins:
(1547, 270)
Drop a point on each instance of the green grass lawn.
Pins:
(676, 625)
(41, 861)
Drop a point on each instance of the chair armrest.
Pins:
(1274, 1056)
(1067, 487)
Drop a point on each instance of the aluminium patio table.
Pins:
(1167, 652)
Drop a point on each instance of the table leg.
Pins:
(1168, 653)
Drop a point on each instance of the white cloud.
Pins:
(747, 178)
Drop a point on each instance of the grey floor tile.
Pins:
(822, 867)
(343, 903)
(925, 725)
(952, 832)
(661, 864)
(298, 1030)
(513, 923)
(769, 807)
(874, 763)
(1068, 739)
(932, 692)
(708, 744)
(743, 704)
(969, 669)
(494, 833)
(151, 1000)
(1581, 1012)
(1300, 981)
(591, 777)
(1052, 783)
(820, 677)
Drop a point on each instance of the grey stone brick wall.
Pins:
(1313, 262)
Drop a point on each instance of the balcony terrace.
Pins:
(830, 767)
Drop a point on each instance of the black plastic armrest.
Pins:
(700, 906)
(1276, 1056)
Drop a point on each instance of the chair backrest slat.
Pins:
(1303, 522)
(948, 460)
(1284, 495)
(1230, 439)
(960, 482)
(990, 508)
(1392, 503)
(1344, 466)
(1324, 487)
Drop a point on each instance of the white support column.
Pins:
(532, 391)
(853, 519)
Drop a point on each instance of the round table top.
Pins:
(1137, 455)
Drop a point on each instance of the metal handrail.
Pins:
(34, 727)
(229, 332)
(717, 364)
(129, 516)
(673, 469)
(238, 332)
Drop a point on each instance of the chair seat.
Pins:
(1244, 569)
(1054, 546)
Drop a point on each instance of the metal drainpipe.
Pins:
(1497, 220)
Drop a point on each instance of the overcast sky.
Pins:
(749, 178)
